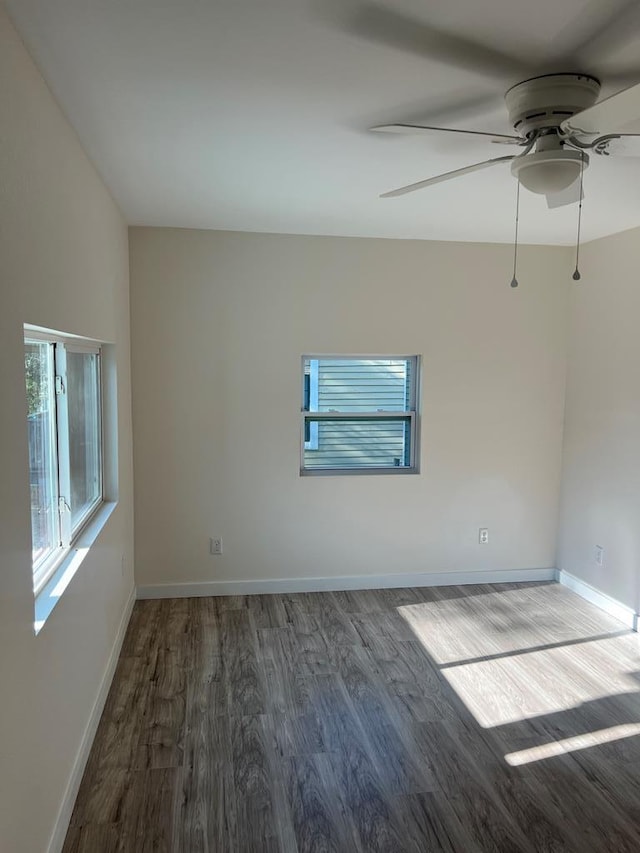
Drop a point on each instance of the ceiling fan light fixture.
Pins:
(548, 172)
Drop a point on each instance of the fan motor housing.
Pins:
(546, 101)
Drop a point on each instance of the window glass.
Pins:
(306, 404)
(83, 405)
(360, 443)
(39, 378)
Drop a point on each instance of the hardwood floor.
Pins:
(459, 719)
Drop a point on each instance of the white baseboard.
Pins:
(64, 815)
(625, 614)
(254, 587)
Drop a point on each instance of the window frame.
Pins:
(68, 534)
(90, 510)
(310, 443)
(39, 565)
(408, 415)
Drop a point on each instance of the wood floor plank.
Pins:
(206, 811)
(358, 601)
(297, 735)
(101, 796)
(433, 826)
(251, 765)
(375, 818)
(289, 688)
(376, 627)
(541, 823)
(619, 785)
(268, 611)
(337, 628)
(158, 756)
(469, 792)
(178, 630)
(141, 636)
(242, 675)
(578, 801)
(417, 688)
(319, 818)
(380, 724)
(124, 716)
(539, 817)
(166, 702)
(148, 814)
(264, 821)
(105, 838)
(395, 597)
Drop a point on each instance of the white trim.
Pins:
(67, 564)
(77, 342)
(254, 587)
(362, 356)
(605, 602)
(68, 801)
(382, 415)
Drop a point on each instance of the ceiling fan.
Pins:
(557, 118)
(557, 121)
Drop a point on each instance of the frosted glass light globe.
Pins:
(548, 172)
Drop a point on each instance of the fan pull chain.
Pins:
(514, 280)
(576, 275)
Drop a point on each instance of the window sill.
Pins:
(70, 562)
(358, 472)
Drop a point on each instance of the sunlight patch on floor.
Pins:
(508, 690)
(572, 744)
(510, 658)
(458, 629)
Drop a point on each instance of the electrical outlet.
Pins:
(483, 535)
(599, 555)
(215, 545)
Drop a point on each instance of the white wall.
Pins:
(601, 459)
(63, 265)
(219, 322)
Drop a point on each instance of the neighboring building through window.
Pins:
(64, 426)
(359, 414)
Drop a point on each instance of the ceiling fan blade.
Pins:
(446, 176)
(421, 128)
(599, 30)
(443, 109)
(569, 196)
(412, 35)
(608, 116)
(618, 145)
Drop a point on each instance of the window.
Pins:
(359, 414)
(64, 426)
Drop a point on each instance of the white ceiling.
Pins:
(253, 115)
